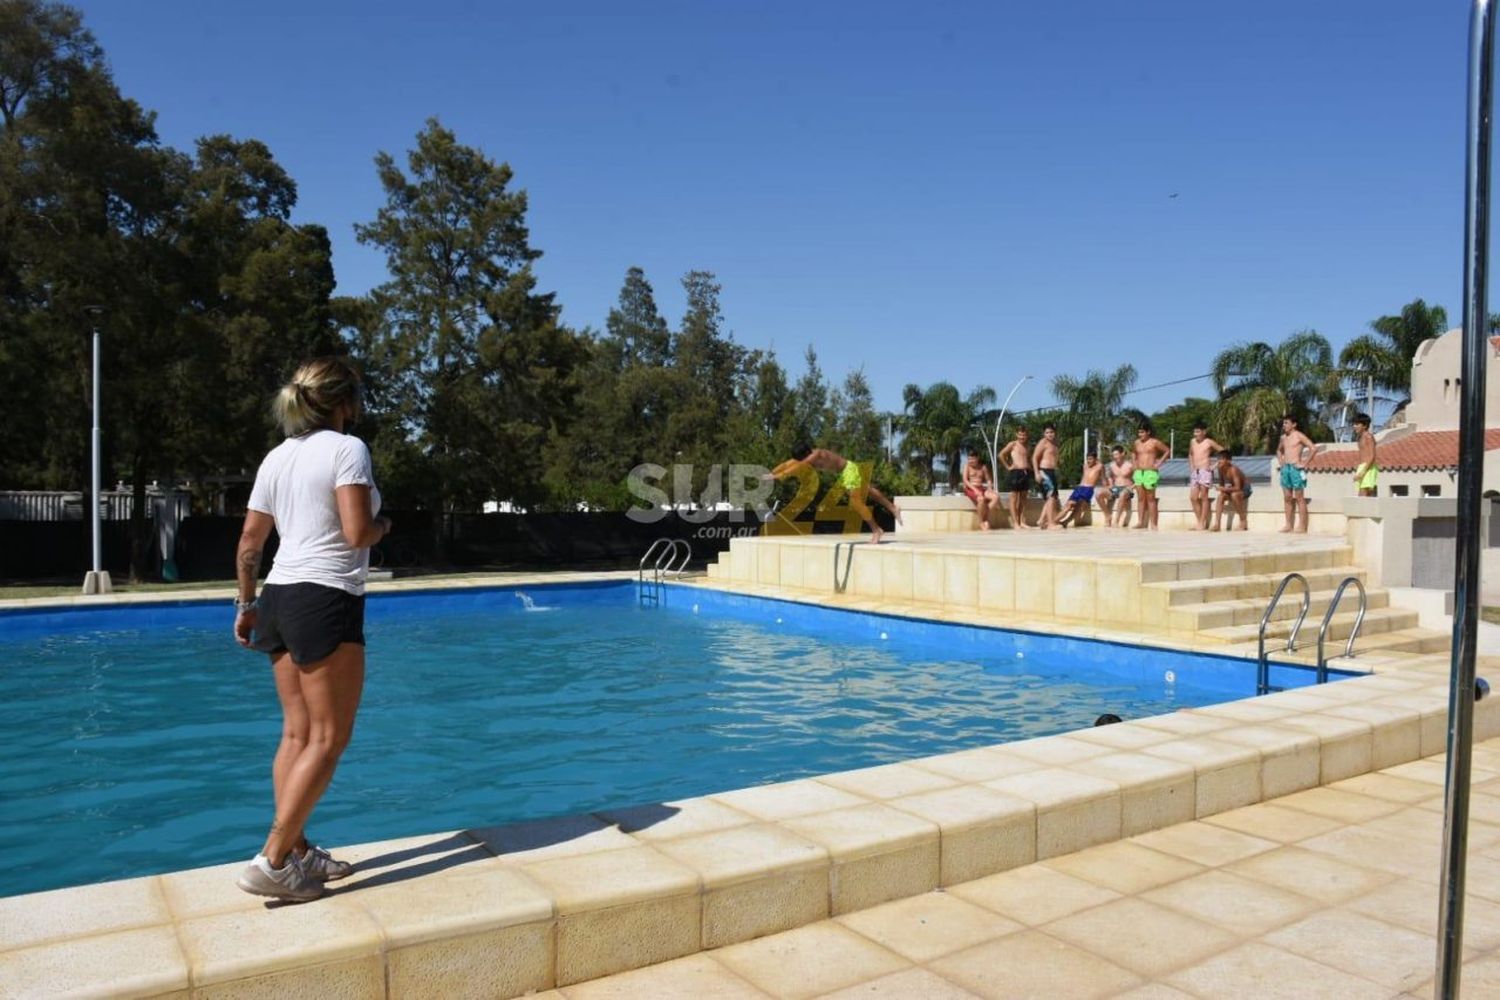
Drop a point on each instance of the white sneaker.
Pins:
(322, 866)
(289, 882)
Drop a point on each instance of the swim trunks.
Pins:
(1019, 481)
(1146, 478)
(1084, 493)
(1048, 482)
(852, 477)
(1292, 478)
(1367, 481)
(974, 493)
(1116, 491)
(1201, 477)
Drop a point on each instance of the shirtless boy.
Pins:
(1296, 449)
(850, 476)
(1121, 488)
(1368, 472)
(1234, 493)
(1083, 494)
(1201, 474)
(1150, 452)
(1044, 467)
(1015, 459)
(979, 488)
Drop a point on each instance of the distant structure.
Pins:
(1418, 451)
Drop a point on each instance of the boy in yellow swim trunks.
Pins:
(850, 475)
(1368, 472)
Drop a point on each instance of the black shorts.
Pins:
(1019, 481)
(308, 620)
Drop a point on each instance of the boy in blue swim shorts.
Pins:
(1294, 452)
(1083, 494)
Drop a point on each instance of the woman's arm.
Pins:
(247, 569)
(361, 529)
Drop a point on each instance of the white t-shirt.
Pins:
(295, 485)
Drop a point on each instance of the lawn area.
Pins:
(1491, 615)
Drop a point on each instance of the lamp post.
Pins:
(994, 442)
(96, 581)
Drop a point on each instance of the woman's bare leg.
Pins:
(294, 726)
(331, 689)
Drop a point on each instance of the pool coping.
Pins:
(547, 903)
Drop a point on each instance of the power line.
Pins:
(1144, 388)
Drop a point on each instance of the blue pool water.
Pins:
(139, 739)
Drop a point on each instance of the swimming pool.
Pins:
(139, 738)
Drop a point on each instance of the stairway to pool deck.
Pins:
(1203, 590)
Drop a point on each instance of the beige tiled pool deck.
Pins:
(1279, 846)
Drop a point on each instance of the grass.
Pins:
(1491, 615)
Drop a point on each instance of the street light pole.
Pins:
(96, 581)
(994, 442)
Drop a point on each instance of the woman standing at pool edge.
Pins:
(318, 490)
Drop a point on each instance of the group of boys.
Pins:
(1130, 479)
(1136, 478)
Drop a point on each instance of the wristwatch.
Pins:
(240, 605)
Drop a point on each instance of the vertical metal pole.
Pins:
(1470, 476)
(94, 492)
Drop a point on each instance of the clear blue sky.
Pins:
(968, 192)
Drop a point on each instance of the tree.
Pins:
(484, 375)
(1386, 355)
(1179, 418)
(941, 424)
(1258, 383)
(857, 427)
(1097, 400)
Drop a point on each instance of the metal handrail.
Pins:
(663, 549)
(676, 569)
(1262, 664)
(839, 587)
(1359, 619)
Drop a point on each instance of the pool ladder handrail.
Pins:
(671, 557)
(839, 586)
(1359, 619)
(1262, 664)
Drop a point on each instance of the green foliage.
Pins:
(940, 426)
(1179, 419)
(202, 289)
(1386, 355)
(477, 368)
(1258, 383)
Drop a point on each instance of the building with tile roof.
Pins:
(1418, 455)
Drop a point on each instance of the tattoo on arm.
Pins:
(247, 569)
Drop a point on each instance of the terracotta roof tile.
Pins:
(1414, 452)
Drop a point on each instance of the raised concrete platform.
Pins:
(1203, 587)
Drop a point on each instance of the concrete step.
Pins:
(1261, 585)
(1412, 640)
(1248, 611)
(1377, 621)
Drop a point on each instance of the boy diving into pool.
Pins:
(850, 476)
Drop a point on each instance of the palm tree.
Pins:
(1386, 356)
(939, 425)
(1098, 399)
(1258, 383)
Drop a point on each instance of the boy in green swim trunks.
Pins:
(850, 476)
(1295, 451)
(1150, 452)
(1368, 472)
